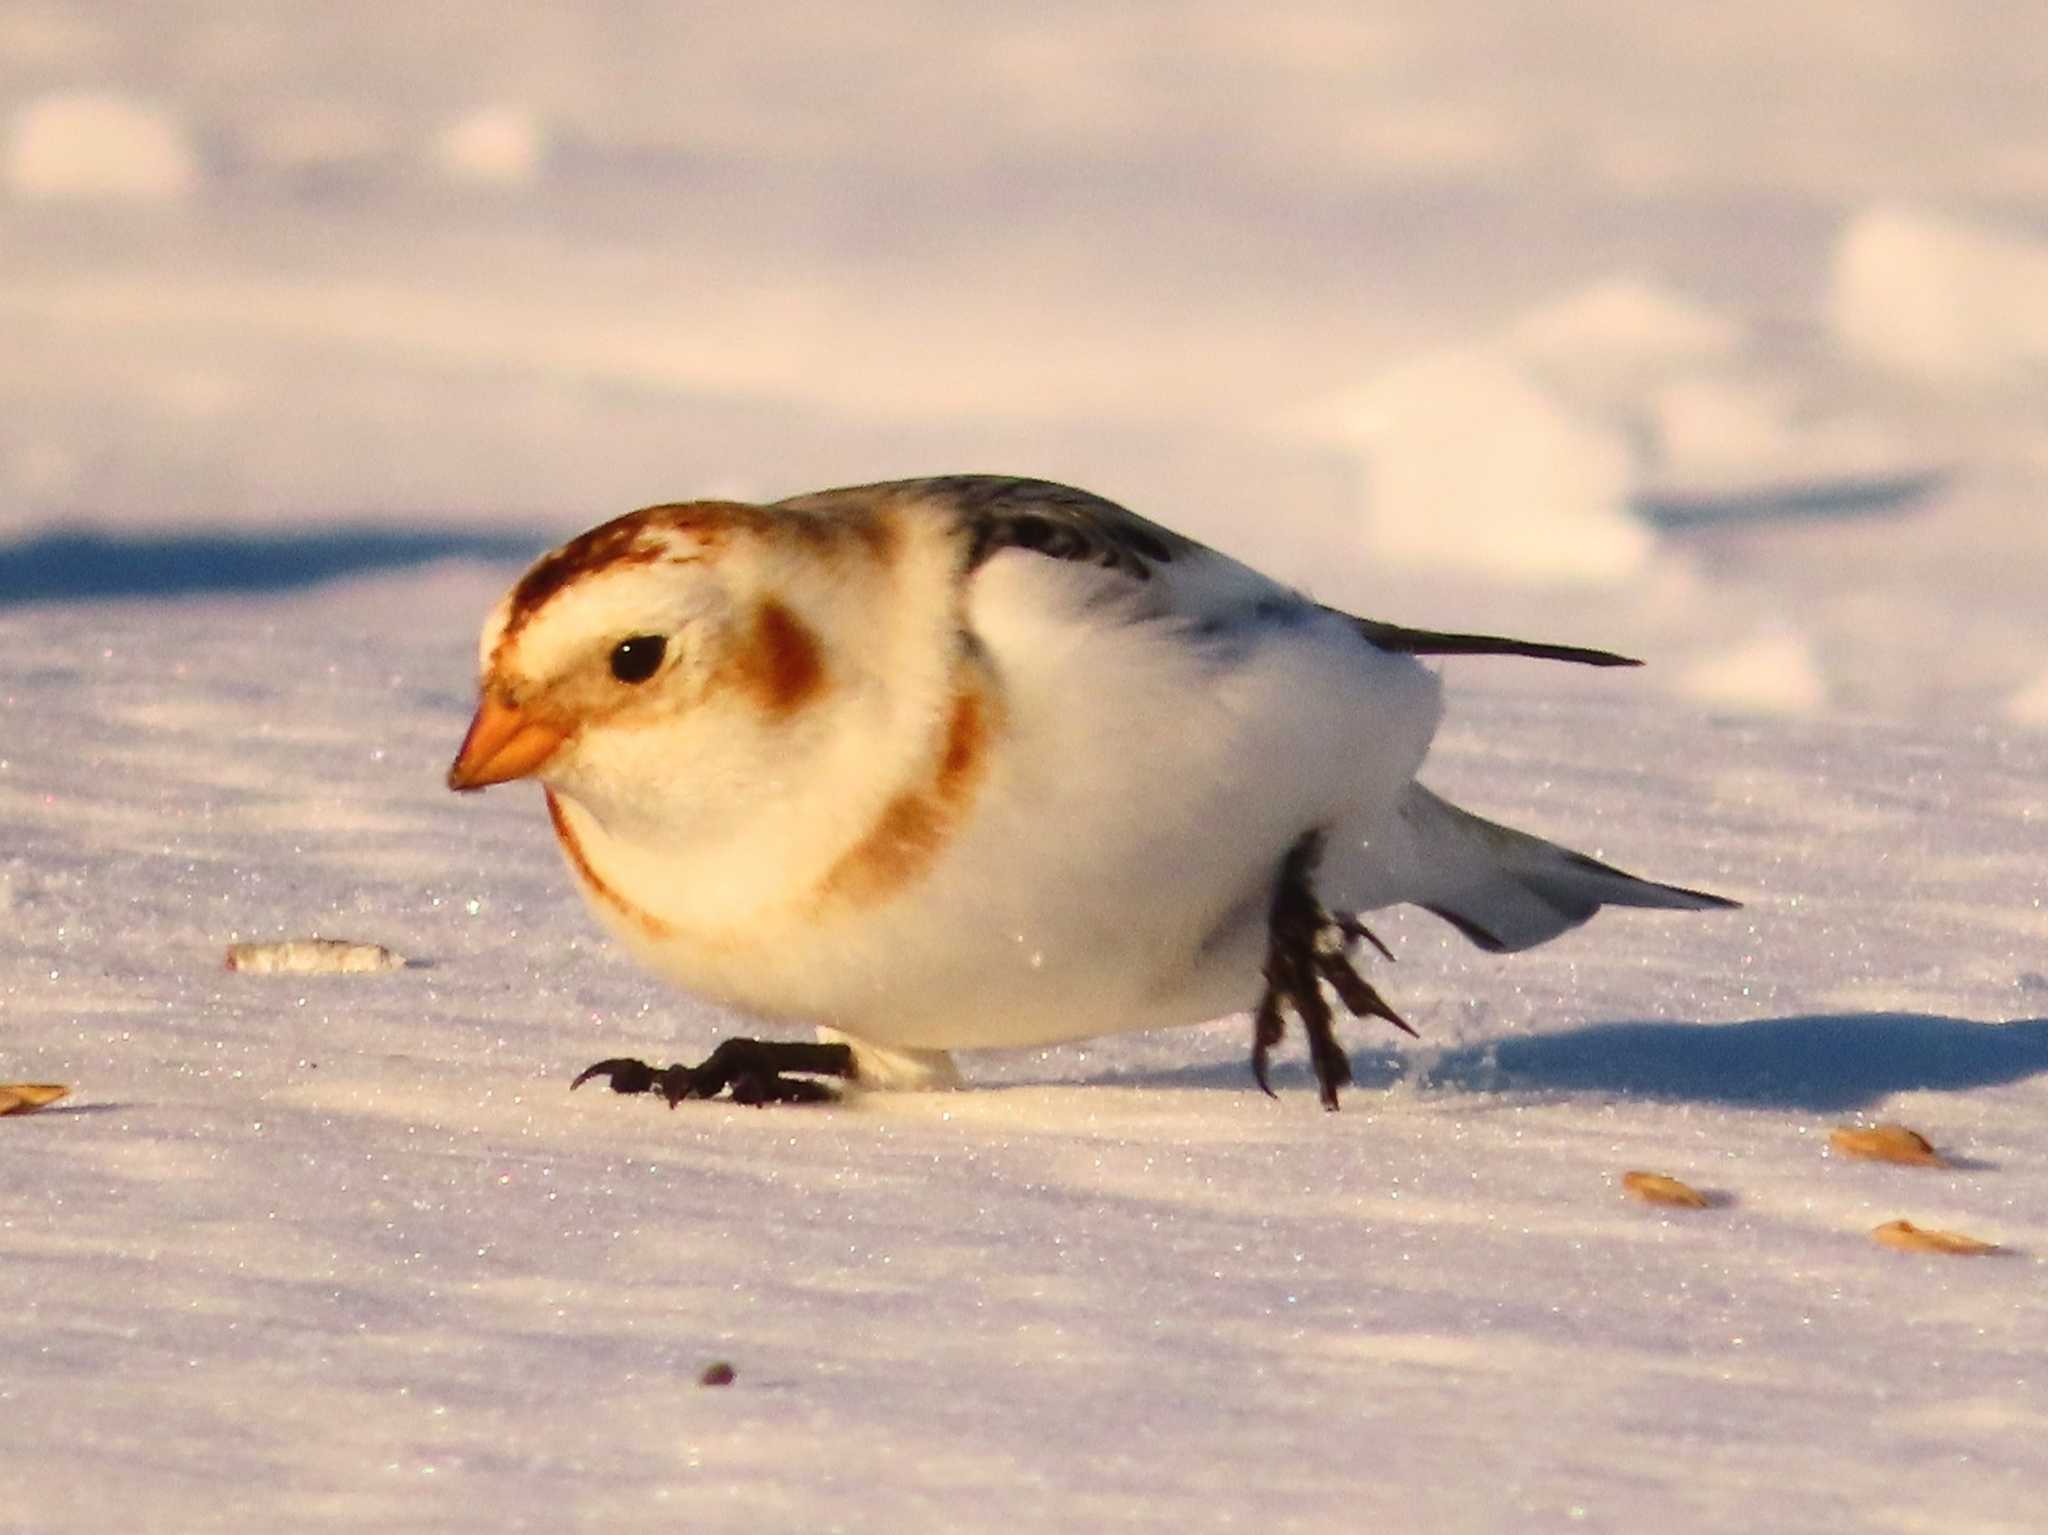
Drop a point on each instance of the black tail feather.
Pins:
(1432, 642)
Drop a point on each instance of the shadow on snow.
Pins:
(1821, 1062)
(75, 564)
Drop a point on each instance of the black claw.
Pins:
(752, 1069)
(621, 1073)
(1355, 931)
(1306, 947)
(680, 1082)
(1358, 994)
(1267, 1027)
(761, 1090)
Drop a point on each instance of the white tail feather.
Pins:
(1503, 888)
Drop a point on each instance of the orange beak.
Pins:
(502, 744)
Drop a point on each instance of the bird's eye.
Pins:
(637, 659)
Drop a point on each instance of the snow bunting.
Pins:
(967, 762)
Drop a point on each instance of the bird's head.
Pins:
(684, 661)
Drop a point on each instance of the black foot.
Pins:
(752, 1068)
(1306, 946)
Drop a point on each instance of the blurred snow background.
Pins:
(1720, 333)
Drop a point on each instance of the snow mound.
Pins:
(1625, 324)
(1721, 421)
(1745, 429)
(1469, 462)
(1947, 302)
(2029, 706)
(1774, 673)
(298, 137)
(494, 146)
(1708, 411)
(98, 147)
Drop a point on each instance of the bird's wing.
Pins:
(1149, 570)
(1061, 522)
(1181, 576)
(995, 512)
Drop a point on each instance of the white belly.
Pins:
(1114, 869)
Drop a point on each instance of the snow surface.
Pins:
(343, 1252)
(1714, 335)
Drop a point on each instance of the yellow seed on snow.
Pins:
(312, 956)
(27, 1097)
(1885, 1143)
(1657, 1189)
(1908, 1237)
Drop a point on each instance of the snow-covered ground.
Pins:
(344, 1252)
(1717, 336)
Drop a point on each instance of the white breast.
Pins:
(1113, 870)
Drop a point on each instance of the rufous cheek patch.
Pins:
(780, 664)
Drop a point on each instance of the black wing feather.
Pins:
(1000, 511)
(1058, 521)
(1063, 522)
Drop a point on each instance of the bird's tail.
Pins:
(1505, 889)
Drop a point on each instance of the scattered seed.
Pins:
(1657, 1189)
(1885, 1143)
(1908, 1237)
(718, 1374)
(311, 956)
(27, 1097)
